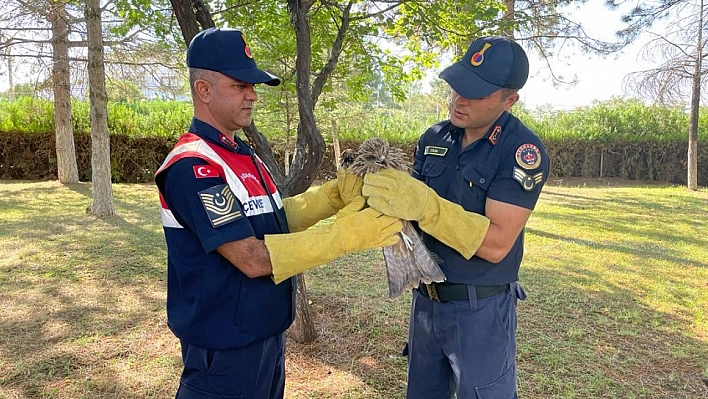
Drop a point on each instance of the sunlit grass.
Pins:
(617, 278)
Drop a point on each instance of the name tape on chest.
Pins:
(433, 150)
(220, 204)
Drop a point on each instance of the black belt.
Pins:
(446, 292)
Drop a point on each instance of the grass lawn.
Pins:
(616, 277)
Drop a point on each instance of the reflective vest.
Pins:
(210, 302)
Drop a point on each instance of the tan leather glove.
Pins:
(355, 230)
(349, 185)
(308, 208)
(396, 193)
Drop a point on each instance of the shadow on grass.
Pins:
(81, 292)
(668, 200)
(660, 225)
(574, 341)
(602, 342)
(638, 249)
(83, 307)
(582, 333)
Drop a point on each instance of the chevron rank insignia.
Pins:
(528, 182)
(220, 205)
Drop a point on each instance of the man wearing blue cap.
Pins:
(233, 244)
(476, 179)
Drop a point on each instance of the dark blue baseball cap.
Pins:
(228, 52)
(490, 63)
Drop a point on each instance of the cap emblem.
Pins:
(478, 57)
(247, 48)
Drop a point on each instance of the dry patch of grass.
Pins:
(616, 274)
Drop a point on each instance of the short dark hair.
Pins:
(197, 74)
(505, 93)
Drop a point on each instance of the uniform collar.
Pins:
(493, 134)
(209, 133)
(497, 128)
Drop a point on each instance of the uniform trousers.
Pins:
(256, 371)
(466, 347)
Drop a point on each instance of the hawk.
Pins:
(409, 262)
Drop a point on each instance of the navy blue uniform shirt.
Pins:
(210, 302)
(509, 164)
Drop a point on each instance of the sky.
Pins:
(599, 78)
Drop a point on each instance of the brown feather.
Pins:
(408, 263)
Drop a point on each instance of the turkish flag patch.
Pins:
(203, 171)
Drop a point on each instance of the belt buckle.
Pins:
(432, 292)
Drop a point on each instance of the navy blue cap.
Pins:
(227, 51)
(490, 63)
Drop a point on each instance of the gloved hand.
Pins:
(308, 208)
(349, 185)
(396, 193)
(355, 230)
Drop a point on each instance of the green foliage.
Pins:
(613, 120)
(141, 14)
(611, 139)
(134, 119)
(368, 63)
(123, 90)
(396, 125)
(606, 122)
(28, 89)
(149, 118)
(441, 24)
(26, 114)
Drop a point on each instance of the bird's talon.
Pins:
(407, 240)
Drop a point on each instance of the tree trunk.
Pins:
(260, 144)
(303, 328)
(11, 88)
(190, 15)
(692, 176)
(335, 144)
(67, 169)
(100, 137)
(508, 19)
(310, 143)
(311, 148)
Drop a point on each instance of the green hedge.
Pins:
(616, 138)
(154, 118)
(25, 156)
(609, 121)
(135, 159)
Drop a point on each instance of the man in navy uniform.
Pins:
(233, 244)
(476, 179)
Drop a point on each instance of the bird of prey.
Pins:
(408, 263)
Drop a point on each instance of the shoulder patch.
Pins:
(433, 150)
(527, 181)
(528, 156)
(220, 205)
(204, 171)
